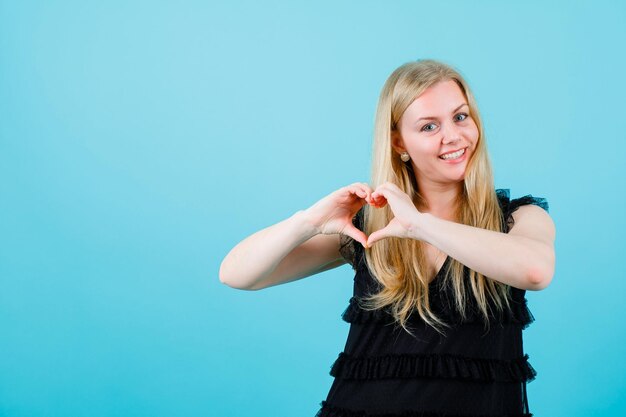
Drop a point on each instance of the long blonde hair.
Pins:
(399, 264)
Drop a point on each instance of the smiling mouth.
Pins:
(453, 155)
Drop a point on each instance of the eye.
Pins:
(425, 126)
(465, 116)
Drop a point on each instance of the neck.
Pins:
(440, 199)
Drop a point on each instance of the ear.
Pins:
(396, 141)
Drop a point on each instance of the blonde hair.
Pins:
(399, 264)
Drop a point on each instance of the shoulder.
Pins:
(510, 205)
(528, 216)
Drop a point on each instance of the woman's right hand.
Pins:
(333, 214)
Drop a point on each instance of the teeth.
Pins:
(453, 155)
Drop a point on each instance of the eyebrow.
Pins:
(431, 118)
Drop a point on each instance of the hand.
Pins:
(405, 213)
(333, 214)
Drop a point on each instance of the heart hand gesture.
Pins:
(405, 213)
(333, 214)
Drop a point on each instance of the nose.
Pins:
(450, 134)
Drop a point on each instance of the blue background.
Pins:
(141, 141)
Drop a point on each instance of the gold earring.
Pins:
(405, 156)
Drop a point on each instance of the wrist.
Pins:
(420, 226)
(302, 219)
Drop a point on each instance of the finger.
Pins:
(378, 191)
(363, 193)
(382, 189)
(368, 191)
(365, 188)
(359, 185)
(386, 192)
(356, 190)
(379, 203)
(379, 196)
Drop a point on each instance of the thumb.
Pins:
(355, 234)
(378, 235)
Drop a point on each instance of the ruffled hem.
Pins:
(519, 314)
(328, 410)
(508, 206)
(432, 366)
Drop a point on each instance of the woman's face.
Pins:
(437, 123)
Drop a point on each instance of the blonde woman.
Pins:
(442, 261)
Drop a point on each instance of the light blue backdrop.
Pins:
(140, 141)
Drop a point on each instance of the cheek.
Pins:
(427, 149)
(419, 146)
(472, 133)
(475, 131)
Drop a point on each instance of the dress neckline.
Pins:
(443, 267)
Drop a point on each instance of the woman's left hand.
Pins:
(406, 216)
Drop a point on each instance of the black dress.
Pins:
(472, 371)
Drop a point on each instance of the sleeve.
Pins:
(349, 248)
(509, 206)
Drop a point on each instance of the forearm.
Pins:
(510, 259)
(255, 258)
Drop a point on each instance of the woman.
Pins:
(442, 261)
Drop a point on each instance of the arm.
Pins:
(523, 258)
(306, 243)
(283, 252)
